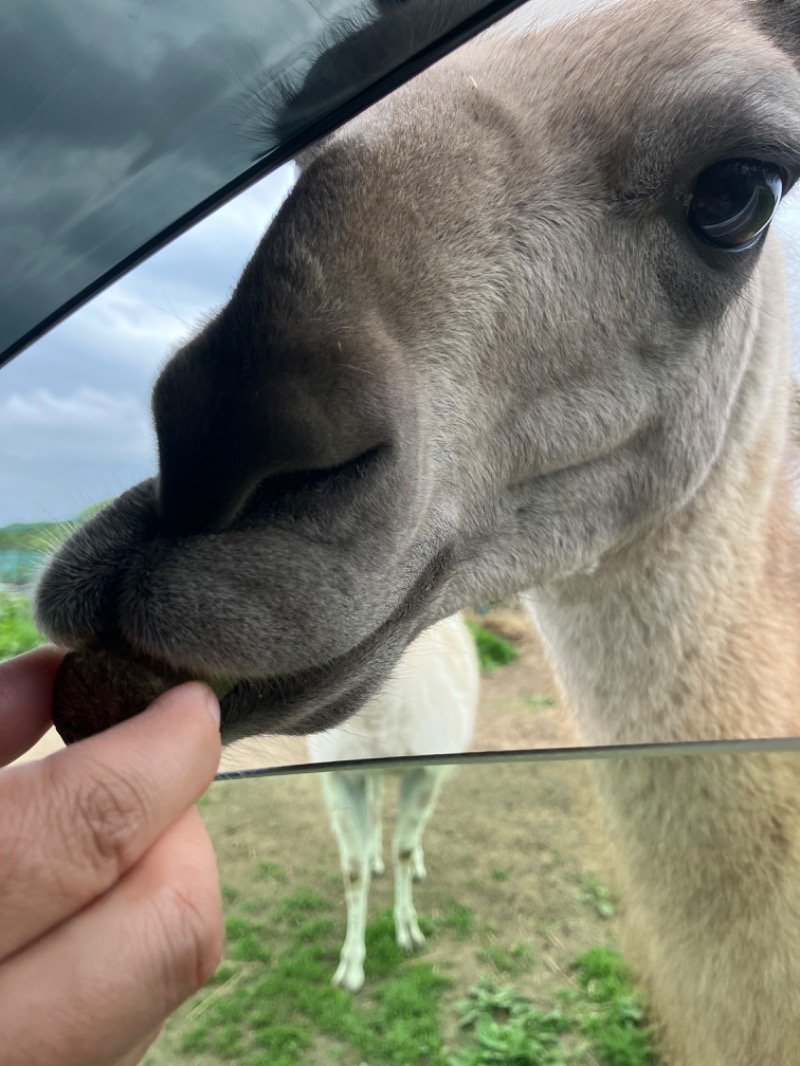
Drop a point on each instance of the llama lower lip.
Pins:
(294, 706)
(324, 695)
(314, 699)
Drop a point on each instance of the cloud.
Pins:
(75, 407)
(76, 424)
(60, 453)
(116, 122)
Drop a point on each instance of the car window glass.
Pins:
(76, 430)
(122, 122)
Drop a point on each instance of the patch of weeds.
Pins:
(541, 699)
(508, 1030)
(599, 1020)
(455, 917)
(500, 873)
(512, 961)
(270, 871)
(596, 894)
(614, 1021)
(279, 1008)
(493, 651)
(401, 1025)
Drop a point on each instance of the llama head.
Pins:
(501, 328)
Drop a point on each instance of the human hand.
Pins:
(110, 913)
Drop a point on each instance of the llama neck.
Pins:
(691, 633)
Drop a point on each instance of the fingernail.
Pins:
(212, 703)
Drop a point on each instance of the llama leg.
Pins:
(418, 792)
(418, 871)
(346, 796)
(375, 794)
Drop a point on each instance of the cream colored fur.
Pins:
(427, 707)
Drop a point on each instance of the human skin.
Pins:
(110, 912)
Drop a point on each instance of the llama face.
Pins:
(486, 344)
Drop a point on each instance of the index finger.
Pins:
(26, 699)
(76, 821)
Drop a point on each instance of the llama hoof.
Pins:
(348, 976)
(409, 935)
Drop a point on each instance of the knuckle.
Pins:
(189, 927)
(106, 813)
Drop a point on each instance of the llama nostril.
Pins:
(216, 506)
(208, 477)
(258, 396)
(197, 505)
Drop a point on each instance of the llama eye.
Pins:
(733, 202)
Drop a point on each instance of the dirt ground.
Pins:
(534, 821)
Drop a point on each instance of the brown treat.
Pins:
(99, 688)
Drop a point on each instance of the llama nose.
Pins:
(223, 434)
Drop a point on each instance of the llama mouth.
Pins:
(294, 706)
(315, 699)
(322, 696)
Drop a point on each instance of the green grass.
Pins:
(272, 1009)
(270, 871)
(271, 1000)
(493, 651)
(17, 631)
(300, 904)
(611, 1010)
(456, 918)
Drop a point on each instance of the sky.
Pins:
(75, 422)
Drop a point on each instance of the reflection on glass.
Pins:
(125, 118)
(558, 929)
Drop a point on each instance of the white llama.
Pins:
(426, 708)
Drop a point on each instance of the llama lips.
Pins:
(97, 688)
